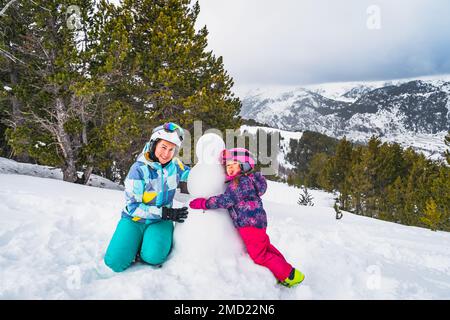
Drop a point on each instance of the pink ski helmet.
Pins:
(241, 155)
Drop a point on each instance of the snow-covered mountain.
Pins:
(285, 138)
(411, 112)
(53, 236)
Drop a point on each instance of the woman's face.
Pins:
(165, 151)
(232, 168)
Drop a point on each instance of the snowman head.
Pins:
(207, 177)
(209, 148)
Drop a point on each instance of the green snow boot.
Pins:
(295, 278)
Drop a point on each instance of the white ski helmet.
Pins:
(168, 131)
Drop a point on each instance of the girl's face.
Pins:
(164, 151)
(232, 168)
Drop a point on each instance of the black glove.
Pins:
(177, 215)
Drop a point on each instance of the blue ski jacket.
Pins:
(149, 186)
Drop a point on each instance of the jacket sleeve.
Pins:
(134, 193)
(260, 183)
(182, 170)
(225, 200)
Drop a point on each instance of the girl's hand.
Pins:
(198, 203)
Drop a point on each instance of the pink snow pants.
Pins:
(263, 253)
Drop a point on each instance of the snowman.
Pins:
(210, 234)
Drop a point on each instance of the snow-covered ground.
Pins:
(53, 236)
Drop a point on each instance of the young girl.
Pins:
(242, 199)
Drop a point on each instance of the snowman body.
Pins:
(207, 233)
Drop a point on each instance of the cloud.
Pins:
(295, 42)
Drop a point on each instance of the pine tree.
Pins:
(439, 191)
(305, 198)
(315, 175)
(343, 160)
(390, 165)
(417, 190)
(164, 72)
(359, 180)
(392, 208)
(371, 161)
(178, 79)
(89, 97)
(303, 150)
(13, 32)
(56, 88)
(326, 175)
(431, 216)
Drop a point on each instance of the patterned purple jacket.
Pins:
(242, 199)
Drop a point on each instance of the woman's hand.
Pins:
(175, 214)
(198, 203)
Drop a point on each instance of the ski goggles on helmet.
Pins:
(171, 127)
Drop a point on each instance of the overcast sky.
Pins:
(298, 42)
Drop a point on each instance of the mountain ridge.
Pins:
(397, 112)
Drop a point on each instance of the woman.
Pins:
(147, 222)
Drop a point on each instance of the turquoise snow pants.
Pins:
(154, 241)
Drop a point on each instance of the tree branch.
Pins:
(44, 123)
(10, 56)
(2, 12)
